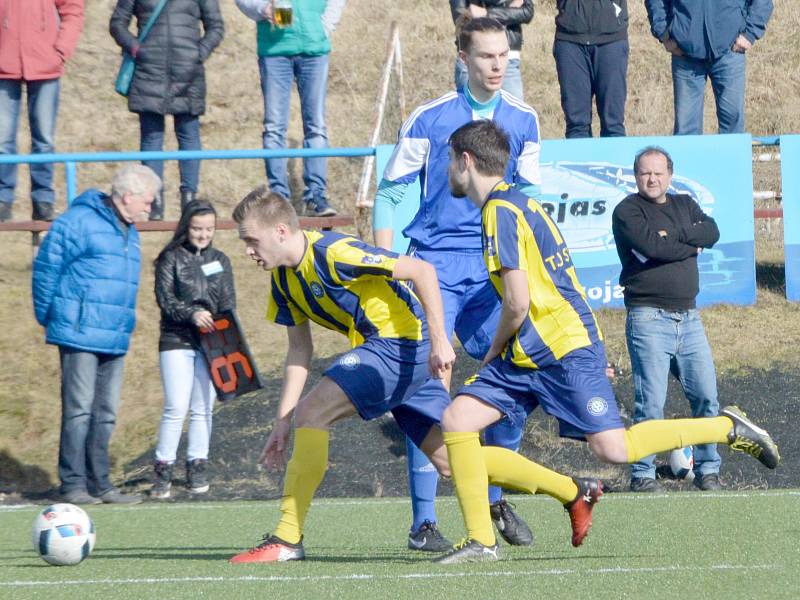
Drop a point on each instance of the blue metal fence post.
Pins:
(72, 181)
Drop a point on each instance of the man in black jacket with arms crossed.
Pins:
(659, 237)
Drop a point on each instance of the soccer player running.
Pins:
(547, 351)
(446, 233)
(399, 342)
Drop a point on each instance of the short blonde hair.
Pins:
(266, 207)
(135, 180)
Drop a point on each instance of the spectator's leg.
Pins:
(575, 78)
(651, 339)
(42, 112)
(200, 410)
(312, 84)
(108, 389)
(698, 377)
(512, 81)
(460, 75)
(688, 87)
(610, 84)
(151, 137)
(177, 375)
(78, 379)
(727, 81)
(276, 86)
(187, 130)
(10, 94)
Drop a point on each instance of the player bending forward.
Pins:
(547, 350)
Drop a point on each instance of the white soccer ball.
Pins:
(63, 534)
(681, 463)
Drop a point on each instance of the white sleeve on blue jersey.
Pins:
(407, 160)
(528, 163)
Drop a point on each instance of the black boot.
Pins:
(157, 208)
(186, 197)
(5, 211)
(163, 480)
(42, 211)
(196, 479)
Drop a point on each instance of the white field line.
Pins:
(334, 502)
(400, 577)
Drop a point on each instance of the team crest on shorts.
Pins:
(317, 290)
(350, 361)
(597, 406)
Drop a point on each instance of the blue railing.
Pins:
(71, 160)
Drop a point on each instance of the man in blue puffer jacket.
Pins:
(85, 279)
(708, 40)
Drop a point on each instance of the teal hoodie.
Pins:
(305, 36)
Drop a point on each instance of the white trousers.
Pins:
(187, 388)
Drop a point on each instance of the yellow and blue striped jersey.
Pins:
(518, 234)
(346, 285)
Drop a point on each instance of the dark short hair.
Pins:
(486, 141)
(268, 208)
(474, 25)
(648, 150)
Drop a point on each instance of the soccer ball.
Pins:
(63, 534)
(681, 463)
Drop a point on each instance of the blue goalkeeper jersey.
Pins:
(444, 222)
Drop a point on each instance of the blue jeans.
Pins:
(187, 131)
(90, 393)
(727, 75)
(277, 75)
(512, 80)
(661, 342)
(591, 70)
(187, 389)
(42, 111)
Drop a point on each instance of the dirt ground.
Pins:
(368, 459)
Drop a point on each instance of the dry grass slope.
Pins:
(94, 118)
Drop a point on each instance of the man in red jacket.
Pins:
(36, 40)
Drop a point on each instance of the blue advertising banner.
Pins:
(584, 180)
(790, 183)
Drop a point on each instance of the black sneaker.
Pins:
(708, 482)
(319, 207)
(5, 211)
(510, 527)
(746, 436)
(428, 538)
(469, 551)
(115, 496)
(42, 211)
(79, 497)
(163, 480)
(196, 479)
(646, 484)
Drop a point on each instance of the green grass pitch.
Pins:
(681, 545)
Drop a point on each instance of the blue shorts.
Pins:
(383, 374)
(471, 304)
(574, 390)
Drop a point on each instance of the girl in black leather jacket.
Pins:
(194, 281)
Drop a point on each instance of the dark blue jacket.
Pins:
(706, 29)
(85, 278)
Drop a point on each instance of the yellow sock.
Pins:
(304, 473)
(652, 437)
(470, 480)
(513, 471)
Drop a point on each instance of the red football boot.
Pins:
(271, 549)
(580, 509)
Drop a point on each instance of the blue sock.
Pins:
(422, 482)
(504, 434)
